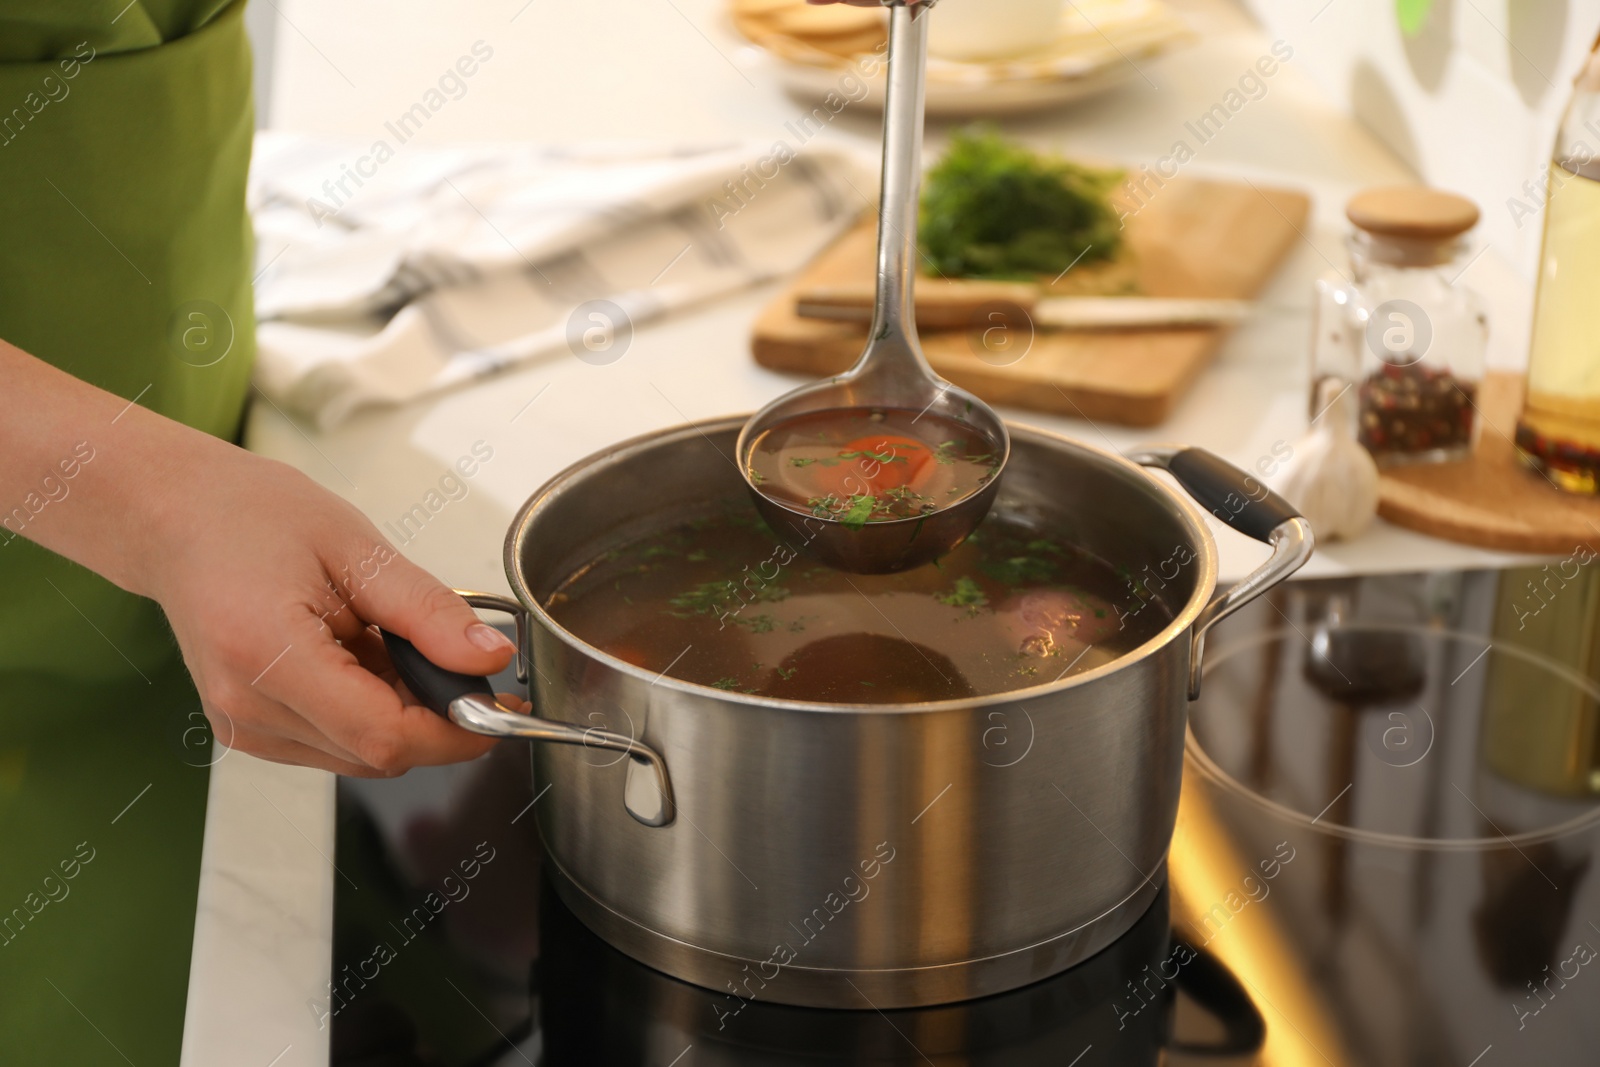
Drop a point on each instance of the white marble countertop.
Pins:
(673, 71)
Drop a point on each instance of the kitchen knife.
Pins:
(981, 305)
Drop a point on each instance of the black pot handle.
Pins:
(471, 704)
(1246, 505)
(1215, 990)
(434, 686)
(1239, 499)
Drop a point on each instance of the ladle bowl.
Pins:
(893, 545)
(892, 372)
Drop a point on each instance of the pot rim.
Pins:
(1183, 510)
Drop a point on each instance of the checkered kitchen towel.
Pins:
(387, 277)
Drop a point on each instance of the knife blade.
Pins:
(981, 305)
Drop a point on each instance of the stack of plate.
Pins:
(817, 50)
(818, 35)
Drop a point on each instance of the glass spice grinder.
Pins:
(1400, 329)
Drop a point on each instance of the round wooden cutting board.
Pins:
(1491, 500)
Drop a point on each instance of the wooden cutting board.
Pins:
(1193, 238)
(1491, 500)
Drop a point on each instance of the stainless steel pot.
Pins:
(872, 856)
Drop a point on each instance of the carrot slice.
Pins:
(873, 464)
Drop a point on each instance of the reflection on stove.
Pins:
(1431, 762)
(1122, 1006)
(1384, 857)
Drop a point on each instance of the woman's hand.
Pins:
(271, 583)
(273, 597)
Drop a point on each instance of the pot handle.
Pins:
(471, 704)
(1246, 504)
(1216, 991)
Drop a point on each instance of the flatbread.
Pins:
(760, 8)
(830, 20)
(853, 45)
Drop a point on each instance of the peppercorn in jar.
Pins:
(1401, 330)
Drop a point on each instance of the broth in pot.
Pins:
(721, 601)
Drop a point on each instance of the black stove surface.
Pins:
(1383, 856)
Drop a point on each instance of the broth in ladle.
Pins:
(720, 601)
(861, 465)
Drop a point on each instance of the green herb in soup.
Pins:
(720, 601)
(861, 465)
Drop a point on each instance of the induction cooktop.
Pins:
(1383, 856)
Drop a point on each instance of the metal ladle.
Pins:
(892, 373)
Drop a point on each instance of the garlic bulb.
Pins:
(1330, 478)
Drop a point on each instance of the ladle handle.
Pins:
(899, 196)
(470, 702)
(902, 169)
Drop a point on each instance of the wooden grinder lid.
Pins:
(1411, 212)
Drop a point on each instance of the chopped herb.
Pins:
(949, 451)
(756, 477)
(658, 552)
(889, 456)
(967, 593)
(823, 507)
(856, 511)
(1019, 569)
(704, 599)
(787, 674)
(992, 208)
(860, 511)
(758, 624)
(725, 683)
(697, 556)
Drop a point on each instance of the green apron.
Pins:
(125, 249)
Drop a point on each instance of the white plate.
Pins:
(1089, 57)
(959, 101)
